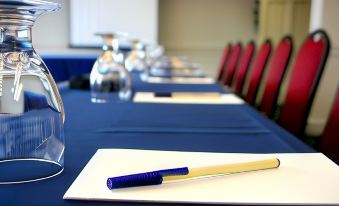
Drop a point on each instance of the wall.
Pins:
(51, 33)
(137, 18)
(51, 29)
(284, 17)
(278, 18)
(199, 29)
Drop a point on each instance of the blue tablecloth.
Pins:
(223, 128)
(63, 68)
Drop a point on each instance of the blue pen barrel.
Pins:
(143, 179)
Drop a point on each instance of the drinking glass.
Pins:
(154, 53)
(173, 66)
(32, 141)
(109, 79)
(136, 59)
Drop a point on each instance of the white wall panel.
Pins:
(138, 18)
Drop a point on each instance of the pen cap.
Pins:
(142, 179)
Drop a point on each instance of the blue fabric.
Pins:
(96, 118)
(185, 119)
(35, 101)
(63, 68)
(86, 122)
(152, 129)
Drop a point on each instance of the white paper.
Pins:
(182, 80)
(309, 178)
(188, 98)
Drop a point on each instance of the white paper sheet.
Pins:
(309, 178)
(188, 98)
(182, 80)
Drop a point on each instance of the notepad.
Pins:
(309, 178)
(188, 98)
(182, 80)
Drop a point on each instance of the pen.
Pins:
(185, 95)
(157, 177)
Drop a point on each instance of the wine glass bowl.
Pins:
(109, 80)
(32, 141)
(136, 59)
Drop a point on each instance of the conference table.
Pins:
(151, 126)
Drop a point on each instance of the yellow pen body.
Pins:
(227, 169)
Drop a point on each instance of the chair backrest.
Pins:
(306, 73)
(224, 59)
(330, 139)
(232, 63)
(243, 65)
(277, 69)
(257, 71)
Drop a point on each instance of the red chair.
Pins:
(224, 59)
(257, 71)
(330, 139)
(306, 73)
(241, 71)
(277, 70)
(232, 64)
